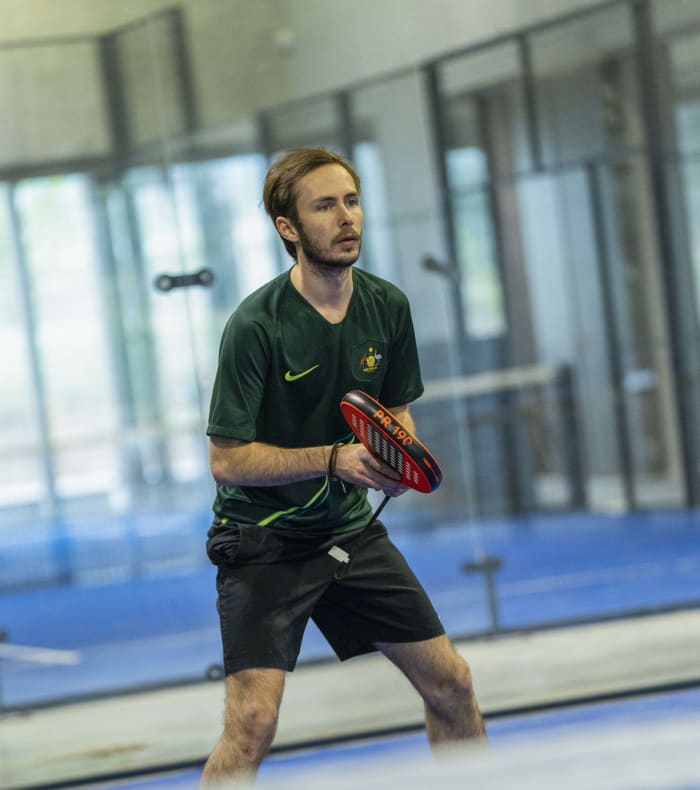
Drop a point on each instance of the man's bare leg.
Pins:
(253, 698)
(443, 678)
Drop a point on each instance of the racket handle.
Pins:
(381, 507)
(343, 566)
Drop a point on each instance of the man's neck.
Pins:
(327, 290)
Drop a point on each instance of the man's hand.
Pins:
(355, 464)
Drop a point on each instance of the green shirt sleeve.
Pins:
(240, 379)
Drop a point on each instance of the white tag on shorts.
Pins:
(338, 554)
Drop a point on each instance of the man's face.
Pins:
(329, 218)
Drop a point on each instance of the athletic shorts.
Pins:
(269, 584)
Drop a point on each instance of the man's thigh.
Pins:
(427, 663)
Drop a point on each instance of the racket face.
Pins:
(384, 436)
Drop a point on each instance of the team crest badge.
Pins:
(368, 360)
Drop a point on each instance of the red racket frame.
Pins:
(383, 434)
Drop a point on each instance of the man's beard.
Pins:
(323, 261)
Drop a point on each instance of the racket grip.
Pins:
(381, 507)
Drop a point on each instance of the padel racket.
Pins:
(382, 433)
(384, 436)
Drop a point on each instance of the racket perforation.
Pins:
(386, 438)
(382, 447)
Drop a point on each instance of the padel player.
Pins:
(292, 486)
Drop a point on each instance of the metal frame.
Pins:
(674, 278)
(614, 345)
(188, 96)
(446, 207)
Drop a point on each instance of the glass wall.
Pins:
(550, 192)
(679, 133)
(521, 193)
(70, 332)
(22, 474)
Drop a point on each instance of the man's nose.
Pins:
(345, 216)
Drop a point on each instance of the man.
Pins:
(292, 485)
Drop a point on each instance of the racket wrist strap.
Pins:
(333, 458)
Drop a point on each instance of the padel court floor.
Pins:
(553, 726)
(598, 619)
(528, 685)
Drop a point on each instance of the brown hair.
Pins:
(279, 190)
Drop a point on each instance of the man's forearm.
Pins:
(259, 464)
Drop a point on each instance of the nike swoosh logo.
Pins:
(289, 376)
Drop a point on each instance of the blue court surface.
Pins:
(132, 599)
(533, 727)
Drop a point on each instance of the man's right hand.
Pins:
(355, 464)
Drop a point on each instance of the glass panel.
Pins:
(685, 91)
(640, 313)
(599, 310)
(148, 68)
(403, 229)
(71, 332)
(314, 123)
(20, 468)
(167, 234)
(566, 319)
(586, 87)
(390, 128)
(377, 242)
(677, 25)
(138, 368)
(482, 94)
(233, 189)
(687, 116)
(477, 255)
(208, 216)
(486, 135)
(229, 233)
(690, 173)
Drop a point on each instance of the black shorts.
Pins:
(269, 583)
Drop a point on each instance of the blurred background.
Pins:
(531, 180)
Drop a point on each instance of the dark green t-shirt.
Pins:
(283, 369)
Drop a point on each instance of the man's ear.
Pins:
(286, 229)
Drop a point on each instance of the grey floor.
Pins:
(76, 742)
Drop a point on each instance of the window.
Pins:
(70, 332)
(20, 440)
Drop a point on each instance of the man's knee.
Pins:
(453, 688)
(253, 720)
(252, 707)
